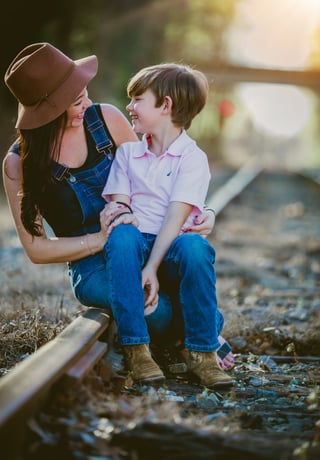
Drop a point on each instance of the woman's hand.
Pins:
(112, 209)
(204, 223)
(115, 214)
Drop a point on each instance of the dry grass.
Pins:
(23, 331)
(36, 301)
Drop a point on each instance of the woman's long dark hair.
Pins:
(37, 148)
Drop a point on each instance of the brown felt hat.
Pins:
(46, 82)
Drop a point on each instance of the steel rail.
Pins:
(235, 185)
(29, 381)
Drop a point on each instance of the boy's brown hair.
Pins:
(187, 87)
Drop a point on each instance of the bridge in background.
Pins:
(228, 74)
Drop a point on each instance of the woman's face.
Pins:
(75, 113)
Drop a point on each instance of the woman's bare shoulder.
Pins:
(111, 110)
(11, 166)
(118, 124)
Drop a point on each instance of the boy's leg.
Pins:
(190, 262)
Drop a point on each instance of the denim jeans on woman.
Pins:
(113, 279)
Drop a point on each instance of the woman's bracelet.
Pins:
(210, 209)
(85, 242)
(88, 245)
(118, 215)
(125, 205)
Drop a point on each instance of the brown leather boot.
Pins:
(140, 363)
(205, 366)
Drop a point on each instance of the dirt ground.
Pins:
(268, 266)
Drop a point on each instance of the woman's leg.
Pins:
(116, 281)
(113, 279)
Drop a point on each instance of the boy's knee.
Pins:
(124, 232)
(124, 237)
(194, 247)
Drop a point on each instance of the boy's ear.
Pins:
(167, 103)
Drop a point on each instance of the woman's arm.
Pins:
(42, 249)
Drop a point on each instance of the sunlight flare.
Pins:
(278, 110)
(276, 34)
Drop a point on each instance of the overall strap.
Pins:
(99, 134)
(97, 130)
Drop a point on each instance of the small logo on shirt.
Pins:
(169, 173)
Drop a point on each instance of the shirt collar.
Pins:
(175, 149)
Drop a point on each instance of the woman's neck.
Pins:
(74, 148)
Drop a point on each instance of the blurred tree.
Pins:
(118, 32)
(154, 31)
(25, 22)
(197, 31)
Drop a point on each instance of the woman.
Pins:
(56, 172)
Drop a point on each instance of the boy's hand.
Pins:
(150, 285)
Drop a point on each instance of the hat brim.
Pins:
(31, 117)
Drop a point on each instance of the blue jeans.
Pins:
(188, 303)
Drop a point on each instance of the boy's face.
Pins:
(144, 114)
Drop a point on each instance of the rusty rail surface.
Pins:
(26, 384)
(235, 185)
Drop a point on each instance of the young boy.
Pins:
(164, 178)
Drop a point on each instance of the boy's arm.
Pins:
(176, 215)
(120, 198)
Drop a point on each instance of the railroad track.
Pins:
(71, 354)
(74, 352)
